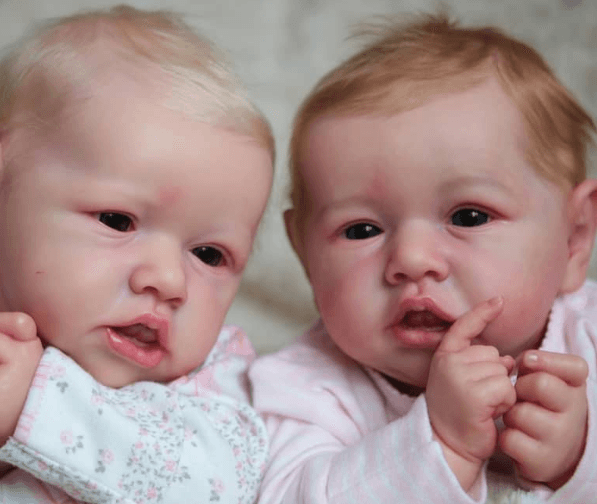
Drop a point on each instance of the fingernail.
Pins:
(531, 358)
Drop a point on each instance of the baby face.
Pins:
(413, 219)
(125, 233)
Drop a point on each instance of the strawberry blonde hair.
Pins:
(406, 65)
(62, 60)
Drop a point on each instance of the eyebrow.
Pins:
(451, 185)
(475, 180)
(342, 204)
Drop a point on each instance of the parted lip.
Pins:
(155, 322)
(420, 304)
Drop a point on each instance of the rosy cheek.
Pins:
(480, 274)
(343, 300)
(326, 297)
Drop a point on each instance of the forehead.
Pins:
(456, 134)
(126, 112)
(122, 135)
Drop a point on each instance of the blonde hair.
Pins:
(58, 62)
(407, 64)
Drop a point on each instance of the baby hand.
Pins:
(546, 429)
(468, 387)
(20, 351)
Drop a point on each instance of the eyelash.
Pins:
(354, 231)
(123, 223)
(209, 259)
(457, 216)
(106, 217)
(365, 230)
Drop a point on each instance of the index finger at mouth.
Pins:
(470, 325)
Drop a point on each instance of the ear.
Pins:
(582, 219)
(3, 141)
(290, 223)
(292, 233)
(3, 150)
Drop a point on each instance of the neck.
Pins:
(405, 388)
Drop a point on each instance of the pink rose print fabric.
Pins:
(193, 440)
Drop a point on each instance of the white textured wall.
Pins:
(281, 47)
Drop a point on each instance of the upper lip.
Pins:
(153, 321)
(421, 304)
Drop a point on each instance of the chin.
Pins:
(114, 378)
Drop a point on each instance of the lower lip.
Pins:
(146, 356)
(418, 338)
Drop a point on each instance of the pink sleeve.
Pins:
(322, 449)
(582, 487)
(573, 329)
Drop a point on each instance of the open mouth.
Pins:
(138, 343)
(424, 320)
(138, 334)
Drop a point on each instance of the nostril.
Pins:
(400, 276)
(413, 271)
(178, 300)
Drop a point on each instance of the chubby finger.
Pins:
(470, 325)
(531, 419)
(570, 368)
(544, 389)
(478, 371)
(479, 353)
(13, 350)
(499, 393)
(508, 362)
(521, 448)
(18, 326)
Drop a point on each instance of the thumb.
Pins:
(470, 325)
(18, 326)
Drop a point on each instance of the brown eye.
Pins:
(469, 217)
(117, 221)
(209, 255)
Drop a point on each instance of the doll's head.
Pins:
(438, 168)
(64, 62)
(134, 176)
(407, 65)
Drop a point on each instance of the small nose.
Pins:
(416, 252)
(160, 272)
